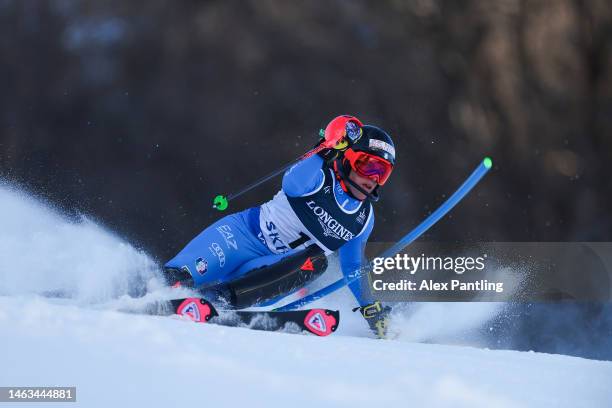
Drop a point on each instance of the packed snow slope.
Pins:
(116, 359)
(120, 359)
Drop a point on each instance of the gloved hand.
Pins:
(342, 131)
(329, 155)
(339, 134)
(377, 317)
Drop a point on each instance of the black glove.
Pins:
(329, 155)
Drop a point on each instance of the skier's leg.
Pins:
(276, 275)
(228, 250)
(216, 252)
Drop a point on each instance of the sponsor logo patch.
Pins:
(201, 266)
(307, 266)
(191, 310)
(331, 227)
(353, 131)
(262, 239)
(384, 146)
(218, 252)
(274, 236)
(361, 216)
(228, 236)
(317, 322)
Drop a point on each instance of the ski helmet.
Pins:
(371, 156)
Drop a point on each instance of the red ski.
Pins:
(321, 322)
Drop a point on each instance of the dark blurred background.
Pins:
(138, 113)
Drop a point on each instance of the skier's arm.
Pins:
(352, 258)
(303, 178)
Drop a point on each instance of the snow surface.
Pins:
(120, 359)
(117, 359)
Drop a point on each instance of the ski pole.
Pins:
(221, 202)
(420, 229)
(339, 134)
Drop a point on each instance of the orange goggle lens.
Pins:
(372, 167)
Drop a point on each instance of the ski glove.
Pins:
(377, 317)
(329, 155)
(341, 132)
(338, 136)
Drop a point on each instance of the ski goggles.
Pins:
(366, 165)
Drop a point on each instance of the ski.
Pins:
(320, 322)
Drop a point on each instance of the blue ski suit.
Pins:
(310, 208)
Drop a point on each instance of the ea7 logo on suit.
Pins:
(228, 236)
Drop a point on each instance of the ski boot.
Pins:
(377, 317)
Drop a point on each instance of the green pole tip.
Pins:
(321, 132)
(488, 163)
(220, 202)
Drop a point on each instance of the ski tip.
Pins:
(488, 163)
(322, 322)
(197, 309)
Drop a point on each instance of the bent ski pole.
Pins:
(433, 218)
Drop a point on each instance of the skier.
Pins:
(324, 205)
